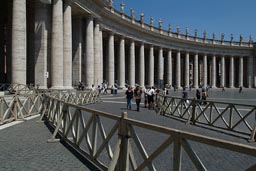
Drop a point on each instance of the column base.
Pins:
(57, 88)
(68, 87)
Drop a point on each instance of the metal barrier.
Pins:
(113, 143)
(4, 86)
(76, 97)
(237, 118)
(18, 107)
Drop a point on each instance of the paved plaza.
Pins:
(24, 146)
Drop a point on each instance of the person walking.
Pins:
(137, 95)
(204, 96)
(240, 89)
(185, 96)
(129, 96)
(151, 98)
(198, 94)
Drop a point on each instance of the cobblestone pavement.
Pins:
(24, 146)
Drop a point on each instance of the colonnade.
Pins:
(69, 48)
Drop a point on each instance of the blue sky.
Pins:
(221, 16)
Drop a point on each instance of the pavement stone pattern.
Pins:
(24, 147)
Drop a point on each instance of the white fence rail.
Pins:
(115, 143)
(236, 118)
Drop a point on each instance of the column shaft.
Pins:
(2, 38)
(169, 67)
(196, 70)
(231, 72)
(41, 44)
(214, 71)
(205, 70)
(67, 45)
(89, 53)
(142, 66)
(101, 55)
(97, 55)
(57, 46)
(250, 71)
(77, 50)
(178, 70)
(160, 73)
(241, 71)
(187, 70)
(132, 64)
(19, 44)
(222, 71)
(111, 61)
(151, 66)
(121, 66)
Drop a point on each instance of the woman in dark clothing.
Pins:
(137, 95)
(129, 96)
(198, 94)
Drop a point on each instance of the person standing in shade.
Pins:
(204, 96)
(240, 89)
(129, 96)
(137, 95)
(185, 96)
(198, 94)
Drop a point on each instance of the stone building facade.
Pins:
(57, 43)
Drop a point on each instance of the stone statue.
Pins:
(142, 18)
(250, 39)
(196, 31)
(204, 34)
(231, 37)
(241, 37)
(170, 28)
(122, 8)
(151, 21)
(222, 36)
(111, 3)
(187, 32)
(214, 36)
(132, 13)
(178, 29)
(160, 22)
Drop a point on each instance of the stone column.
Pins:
(178, 70)
(19, 44)
(205, 71)
(57, 45)
(196, 70)
(214, 71)
(67, 45)
(2, 55)
(241, 71)
(142, 66)
(121, 66)
(77, 50)
(132, 64)
(169, 67)
(42, 25)
(111, 61)
(101, 55)
(151, 66)
(250, 71)
(89, 53)
(97, 55)
(160, 73)
(231, 72)
(222, 71)
(187, 70)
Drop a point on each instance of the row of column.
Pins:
(88, 67)
(169, 69)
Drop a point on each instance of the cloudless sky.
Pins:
(220, 16)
